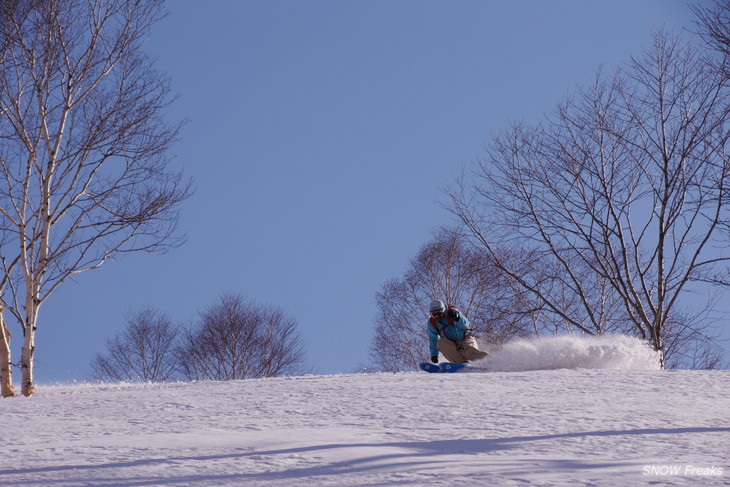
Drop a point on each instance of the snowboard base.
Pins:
(447, 367)
(451, 367)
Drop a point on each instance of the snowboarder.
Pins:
(449, 333)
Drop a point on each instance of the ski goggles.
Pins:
(437, 314)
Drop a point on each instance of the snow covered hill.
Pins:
(587, 426)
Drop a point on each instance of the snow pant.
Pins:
(449, 350)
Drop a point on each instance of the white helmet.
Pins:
(437, 305)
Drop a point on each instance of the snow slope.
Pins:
(589, 426)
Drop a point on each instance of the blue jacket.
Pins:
(456, 332)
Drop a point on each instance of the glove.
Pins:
(453, 314)
(435, 359)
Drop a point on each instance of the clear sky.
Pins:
(321, 137)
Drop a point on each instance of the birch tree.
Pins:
(239, 339)
(620, 196)
(84, 166)
(143, 351)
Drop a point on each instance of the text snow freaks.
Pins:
(683, 470)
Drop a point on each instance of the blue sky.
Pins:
(321, 136)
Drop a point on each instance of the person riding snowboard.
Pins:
(449, 333)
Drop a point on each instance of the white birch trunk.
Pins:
(6, 373)
(26, 359)
(34, 275)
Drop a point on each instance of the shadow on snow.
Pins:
(432, 453)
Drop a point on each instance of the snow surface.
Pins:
(611, 422)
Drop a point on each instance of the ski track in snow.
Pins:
(545, 427)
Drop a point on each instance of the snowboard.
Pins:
(447, 367)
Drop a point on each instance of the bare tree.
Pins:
(693, 341)
(714, 24)
(239, 339)
(84, 173)
(447, 268)
(620, 196)
(144, 351)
